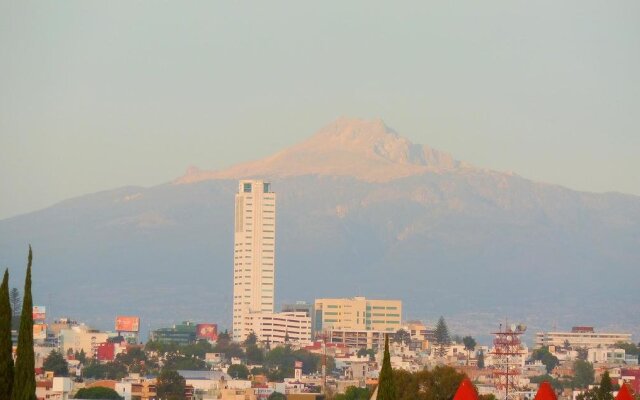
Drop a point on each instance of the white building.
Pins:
(581, 336)
(254, 253)
(82, 337)
(278, 328)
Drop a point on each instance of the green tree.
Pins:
(481, 359)
(97, 392)
(605, 388)
(80, 356)
(238, 371)
(170, 385)
(549, 360)
(251, 339)
(402, 336)
(442, 338)
(24, 383)
(386, 386)
(366, 352)
(6, 348)
(469, 345)
(56, 363)
(583, 374)
(354, 393)
(255, 355)
(16, 301)
(583, 353)
(277, 396)
(555, 383)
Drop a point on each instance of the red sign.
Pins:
(207, 331)
(127, 324)
(39, 313)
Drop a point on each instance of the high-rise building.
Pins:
(254, 253)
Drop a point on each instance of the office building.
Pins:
(280, 328)
(254, 253)
(581, 336)
(357, 314)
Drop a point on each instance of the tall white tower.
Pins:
(254, 253)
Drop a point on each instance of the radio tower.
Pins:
(507, 350)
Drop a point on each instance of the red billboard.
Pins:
(127, 324)
(207, 331)
(39, 313)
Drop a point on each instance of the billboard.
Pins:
(127, 324)
(39, 313)
(40, 331)
(207, 331)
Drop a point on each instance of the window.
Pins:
(247, 188)
(266, 187)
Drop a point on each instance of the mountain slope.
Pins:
(447, 238)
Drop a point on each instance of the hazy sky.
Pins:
(96, 95)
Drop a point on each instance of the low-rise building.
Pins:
(357, 314)
(181, 334)
(581, 337)
(280, 328)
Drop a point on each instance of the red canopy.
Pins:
(545, 392)
(466, 391)
(624, 393)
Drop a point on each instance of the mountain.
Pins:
(361, 211)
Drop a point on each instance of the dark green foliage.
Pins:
(489, 396)
(557, 384)
(402, 336)
(469, 345)
(442, 338)
(110, 370)
(176, 362)
(549, 360)
(80, 356)
(367, 352)
(354, 393)
(605, 388)
(255, 355)
(279, 362)
(277, 396)
(97, 392)
(24, 383)
(481, 360)
(583, 374)
(170, 385)
(251, 339)
(16, 301)
(440, 383)
(583, 353)
(6, 351)
(238, 371)
(386, 385)
(56, 363)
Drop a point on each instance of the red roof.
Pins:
(466, 391)
(624, 393)
(545, 392)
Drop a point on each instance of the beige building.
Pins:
(581, 336)
(254, 253)
(357, 314)
(277, 328)
(81, 337)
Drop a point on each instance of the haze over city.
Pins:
(333, 201)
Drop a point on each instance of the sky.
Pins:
(97, 95)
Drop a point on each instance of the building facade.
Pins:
(581, 336)
(254, 253)
(280, 328)
(357, 314)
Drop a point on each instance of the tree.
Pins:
(251, 339)
(386, 386)
(277, 396)
(583, 374)
(80, 356)
(6, 350)
(469, 345)
(583, 353)
(442, 338)
(481, 359)
(354, 393)
(97, 392)
(366, 352)
(56, 363)
(605, 388)
(24, 383)
(402, 336)
(238, 371)
(255, 355)
(16, 301)
(170, 385)
(549, 360)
